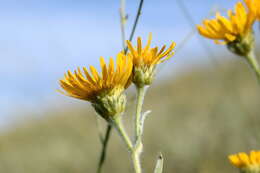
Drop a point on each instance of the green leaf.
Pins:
(159, 164)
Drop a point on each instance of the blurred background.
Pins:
(209, 98)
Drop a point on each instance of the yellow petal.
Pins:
(104, 69)
(235, 160)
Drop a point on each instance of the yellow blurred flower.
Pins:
(254, 7)
(237, 25)
(246, 162)
(145, 60)
(103, 90)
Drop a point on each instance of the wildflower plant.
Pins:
(236, 31)
(105, 90)
(247, 163)
(146, 59)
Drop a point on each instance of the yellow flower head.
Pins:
(237, 25)
(145, 60)
(254, 7)
(103, 90)
(148, 56)
(246, 162)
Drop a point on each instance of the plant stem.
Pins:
(252, 61)
(122, 14)
(136, 162)
(138, 14)
(104, 148)
(138, 147)
(122, 22)
(138, 113)
(134, 148)
(131, 148)
(121, 131)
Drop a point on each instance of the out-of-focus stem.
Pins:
(104, 148)
(122, 22)
(138, 14)
(252, 61)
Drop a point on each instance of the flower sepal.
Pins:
(143, 76)
(145, 59)
(243, 45)
(251, 169)
(109, 106)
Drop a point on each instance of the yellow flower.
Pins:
(246, 162)
(145, 60)
(238, 25)
(254, 7)
(103, 90)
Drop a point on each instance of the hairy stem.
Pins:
(136, 162)
(135, 154)
(138, 147)
(138, 113)
(118, 125)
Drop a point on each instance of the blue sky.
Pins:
(40, 40)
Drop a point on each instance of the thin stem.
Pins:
(122, 14)
(121, 131)
(190, 19)
(138, 147)
(138, 113)
(251, 59)
(104, 148)
(138, 14)
(136, 162)
(122, 22)
(131, 148)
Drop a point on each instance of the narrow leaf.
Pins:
(143, 117)
(159, 164)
